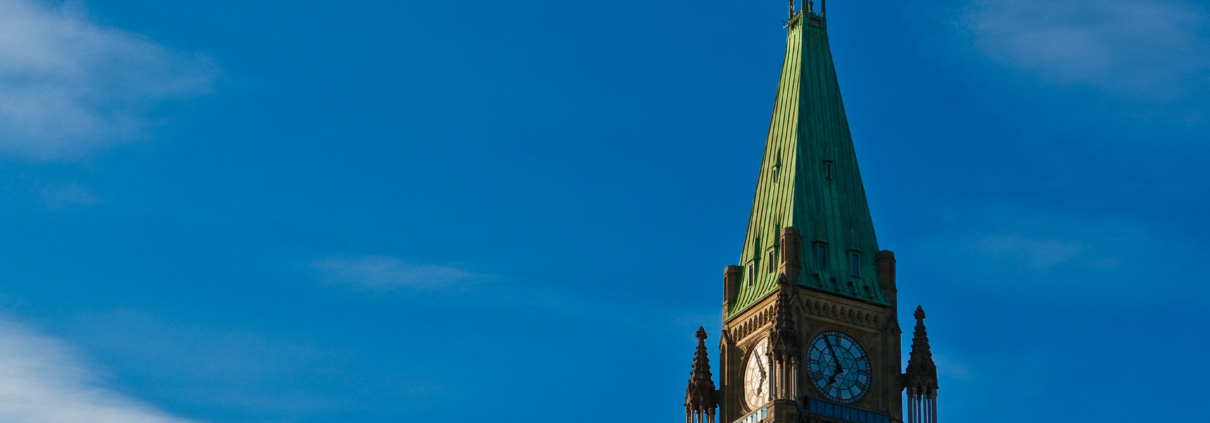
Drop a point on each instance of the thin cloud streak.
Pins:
(61, 197)
(69, 86)
(41, 381)
(380, 274)
(1028, 252)
(1148, 50)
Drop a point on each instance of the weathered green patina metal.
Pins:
(809, 180)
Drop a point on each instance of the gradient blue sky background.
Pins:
(465, 211)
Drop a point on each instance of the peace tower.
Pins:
(810, 332)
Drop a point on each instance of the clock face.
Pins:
(756, 375)
(839, 367)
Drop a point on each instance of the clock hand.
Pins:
(835, 361)
(761, 366)
(839, 370)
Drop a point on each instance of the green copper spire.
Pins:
(809, 180)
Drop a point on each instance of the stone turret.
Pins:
(700, 399)
(920, 381)
(783, 342)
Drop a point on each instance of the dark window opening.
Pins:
(827, 170)
(772, 259)
(751, 272)
(821, 255)
(855, 264)
(777, 167)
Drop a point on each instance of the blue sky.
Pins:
(406, 211)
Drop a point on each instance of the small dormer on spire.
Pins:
(700, 398)
(921, 378)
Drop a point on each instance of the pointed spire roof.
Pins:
(809, 180)
(921, 372)
(699, 396)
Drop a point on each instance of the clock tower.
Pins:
(810, 328)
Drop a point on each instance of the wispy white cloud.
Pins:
(381, 273)
(1157, 49)
(69, 86)
(1029, 252)
(42, 381)
(950, 368)
(59, 197)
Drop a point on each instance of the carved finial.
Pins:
(920, 315)
(701, 333)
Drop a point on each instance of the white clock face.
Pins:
(757, 374)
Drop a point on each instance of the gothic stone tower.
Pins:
(810, 332)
